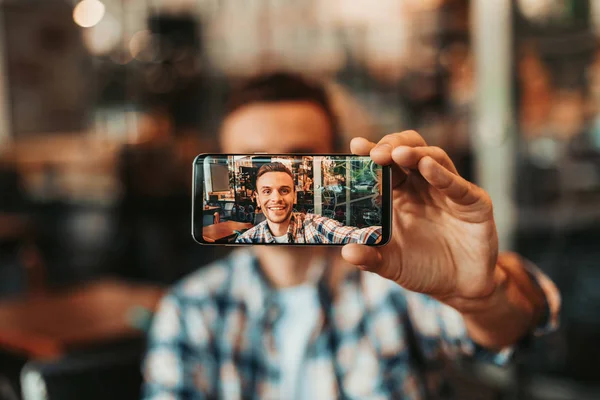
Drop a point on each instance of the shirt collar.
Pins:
(266, 233)
(294, 228)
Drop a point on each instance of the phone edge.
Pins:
(388, 198)
(193, 218)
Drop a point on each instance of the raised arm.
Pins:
(334, 232)
(444, 244)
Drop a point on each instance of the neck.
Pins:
(279, 229)
(287, 267)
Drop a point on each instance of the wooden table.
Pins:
(50, 324)
(222, 230)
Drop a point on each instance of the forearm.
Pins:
(513, 309)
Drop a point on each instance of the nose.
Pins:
(275, 196)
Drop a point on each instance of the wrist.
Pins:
(482, 304)
(525, 286)
(511, 312)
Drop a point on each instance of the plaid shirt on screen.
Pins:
(213, 337)
(312, 228)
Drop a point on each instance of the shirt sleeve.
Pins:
(441, 330)
(335, 232)
(170, 364)
(550, 321)
(252, 235)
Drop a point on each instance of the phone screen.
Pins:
(300, 199)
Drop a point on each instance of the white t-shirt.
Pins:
(282, 239)
(300, 313)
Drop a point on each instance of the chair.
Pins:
(209, 219)
(228, 210)
(241, 213)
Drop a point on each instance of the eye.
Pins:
(285, 190)
(266, 191)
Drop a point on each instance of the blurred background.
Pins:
(105, 103)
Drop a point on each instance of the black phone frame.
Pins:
(197, 198)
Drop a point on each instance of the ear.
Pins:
(258, 206)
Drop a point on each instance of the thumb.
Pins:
(367, 258)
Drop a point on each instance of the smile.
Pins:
(277, 208)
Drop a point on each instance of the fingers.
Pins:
(452, 185)
(361, 146)
(365, 257)
(409, 157)
(407, 150)
(382, 152)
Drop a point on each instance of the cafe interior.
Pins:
(346, 190)
(105, 103)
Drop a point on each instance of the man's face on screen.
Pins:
(285, 127)
(275, 196)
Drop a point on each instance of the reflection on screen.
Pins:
(303, 199)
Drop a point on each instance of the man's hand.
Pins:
(444, 244)
(444, 241)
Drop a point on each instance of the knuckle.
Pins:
(467, 189)
(436, 150)
(390, 138)
(416, 137)
(409, 132)
(440, 154)
(408, 138)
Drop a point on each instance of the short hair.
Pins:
(282, 87)
(273, 167)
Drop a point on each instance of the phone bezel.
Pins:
(197, 199)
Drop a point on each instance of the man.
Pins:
(279, 322)
(275, 196)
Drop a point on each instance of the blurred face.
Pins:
(276, 196)
(287, 127)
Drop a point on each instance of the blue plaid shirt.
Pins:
(312, 228)
(213, 337)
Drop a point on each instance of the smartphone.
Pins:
(290, 199)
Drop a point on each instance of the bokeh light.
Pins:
(88, 13)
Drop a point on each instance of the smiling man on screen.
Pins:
(276, 195)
